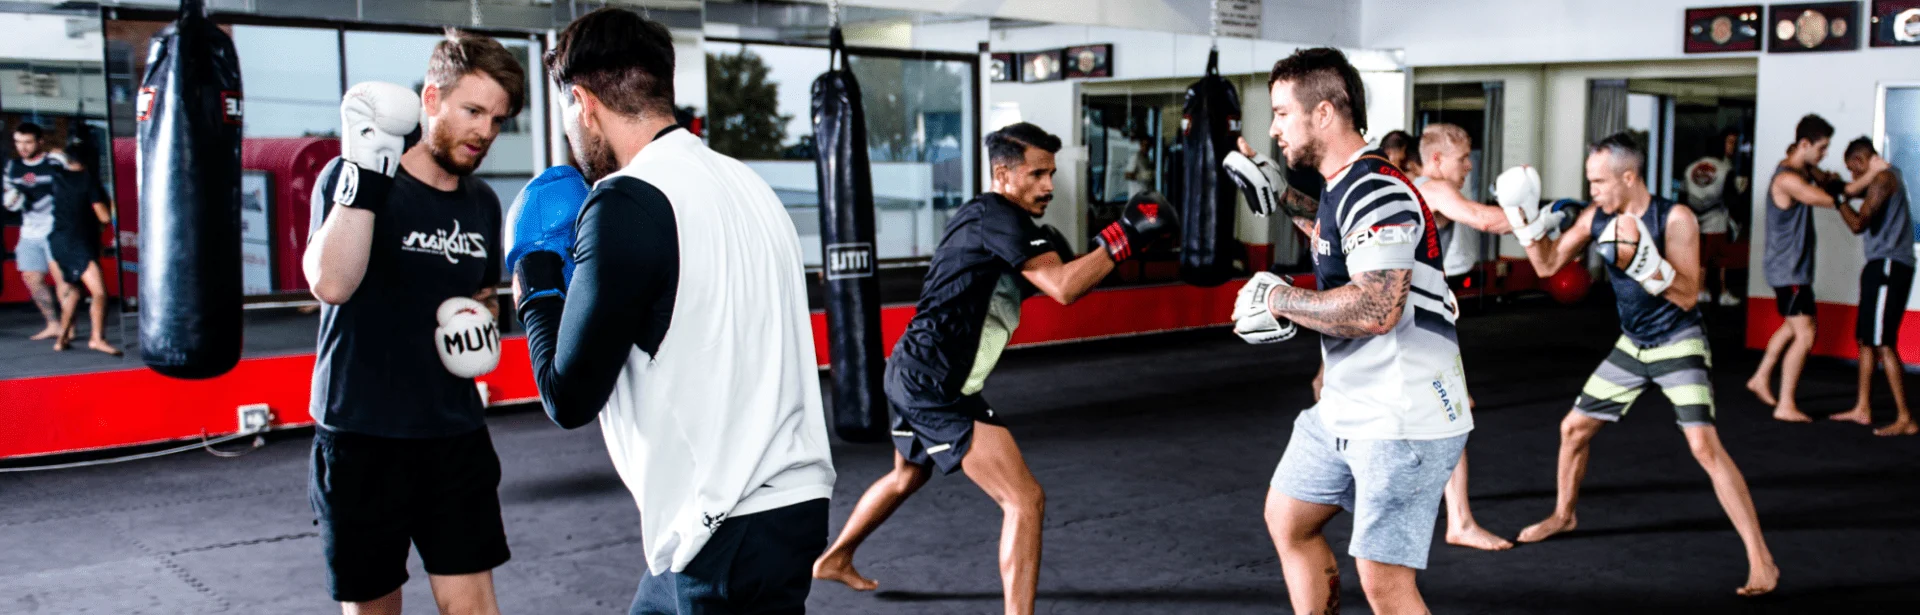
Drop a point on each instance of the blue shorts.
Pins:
(33, 254)
(1392, 487)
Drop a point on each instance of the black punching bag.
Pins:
(1209, 129)
(846, 242)
(189, 112)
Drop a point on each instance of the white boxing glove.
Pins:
(468, 339)
(375, 119)
(1518, 192)
(1646, 266)
(1253, 320)
(1261, 181)
(12, 199)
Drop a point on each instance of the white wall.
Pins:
(44, 37)
(1843, 88)
(1319, 22)
(1531, 31)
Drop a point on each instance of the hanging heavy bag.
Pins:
(1209, 127)
(188, 133)
(856, 358)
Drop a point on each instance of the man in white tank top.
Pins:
(673, 307)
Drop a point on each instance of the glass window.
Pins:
(292, 79)
(920, 135)
(1900, 138)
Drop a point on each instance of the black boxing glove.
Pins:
(1145, 219)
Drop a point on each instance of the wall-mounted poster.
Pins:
(256, 234)
(1719, 29)
(1090, 61)
(1895, 23)
(1004, 67)
(1820, 26)
(1040, 66)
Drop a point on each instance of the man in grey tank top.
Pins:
(1798, 185)
(1885, 228)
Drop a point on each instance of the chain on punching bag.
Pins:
(856, 358)
(1209, 125)
(189, 114)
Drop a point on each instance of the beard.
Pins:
(1304, 155)
(594, 156)
(442, 145)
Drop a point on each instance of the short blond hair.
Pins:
(1441, 137)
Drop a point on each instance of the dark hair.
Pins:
(462, 53)
(30, 129)
(1009, 145)
(83, 153)
(1398, 139)
(1718, 142)
(1624, 150)
(1811, 129)
(1862, 145)
(1323, 74)
(624, 59)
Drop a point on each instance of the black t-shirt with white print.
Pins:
(377, 372)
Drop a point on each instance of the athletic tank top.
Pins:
(1890, 236)
(1789, 257)
(1646, 319)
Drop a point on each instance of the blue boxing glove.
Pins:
(541, 220)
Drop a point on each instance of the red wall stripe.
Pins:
(1833, 329)
(80, 412)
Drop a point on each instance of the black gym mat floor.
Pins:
(1155, 453)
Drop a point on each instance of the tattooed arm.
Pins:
(1302, 209)
(1371, 305)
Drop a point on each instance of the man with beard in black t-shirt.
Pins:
(401, 453)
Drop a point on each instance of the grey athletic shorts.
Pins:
(1392, 487)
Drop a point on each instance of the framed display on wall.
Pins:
(1818, 26)
(1004, 67)
(1718, 29)
(1090, 61)
(1894, 23)
(1039, 66)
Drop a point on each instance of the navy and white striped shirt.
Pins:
(1406, 384)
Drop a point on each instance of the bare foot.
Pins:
(1898, 428)
(1478, 538)
(1547, 528)
(1790, 414)
(100, 345)
(1763, 390)
(836, 567)
(45, 334)
(1760, 580)
(1856, 415)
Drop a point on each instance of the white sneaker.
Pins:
(1729, 300)
(1706, 297)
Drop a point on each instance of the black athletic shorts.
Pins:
(74, 254)
(374, 496)
(1794, 300)
(926, 427)
(758, 563)
(1884, 286)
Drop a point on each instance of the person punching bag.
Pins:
(846, 238)
(1209, 126)
(188, 133)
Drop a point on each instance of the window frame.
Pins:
(972, 60)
